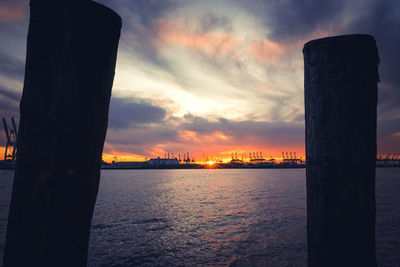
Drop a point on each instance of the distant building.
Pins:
(127, 164)
(160, 162)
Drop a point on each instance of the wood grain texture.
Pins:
(340, 82)
(70, 63)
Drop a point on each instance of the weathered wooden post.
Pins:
(341, 75)
(70, 62)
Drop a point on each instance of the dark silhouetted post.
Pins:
(341, 75)
(70, 62)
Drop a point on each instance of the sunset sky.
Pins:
(216, 77)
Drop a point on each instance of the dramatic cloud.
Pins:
(11, 67)
(139, 25)
(216, 77)
(294, 20)
(185, 34)
(125, 112)
(218, 137)
(247, 133)
(9, 96)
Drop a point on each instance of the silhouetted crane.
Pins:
(10, 152)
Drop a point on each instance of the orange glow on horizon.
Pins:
(224, 156)
(2, 151)
(209, 159)
(214, 157)
(116, 156)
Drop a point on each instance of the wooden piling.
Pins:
(340, 82)
(70, 62)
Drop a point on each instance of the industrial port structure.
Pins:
(10, 153)
(10, 150)
(253, 159)
(388, 160)
(241, 160)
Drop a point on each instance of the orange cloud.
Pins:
(13, 12)
(266, 51)
(220, 135)
(179, 33)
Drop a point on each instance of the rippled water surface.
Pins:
(213, 217)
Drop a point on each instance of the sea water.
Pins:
(212, 217)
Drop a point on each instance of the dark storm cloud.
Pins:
(142, 124)
(141, 26)
(139, 140)
(9, 99)
(11, 67)
(244, 131)
(9, 103)
(145, 135)
(139, 29)
(11, 95)
(8, 108)
(209, 22)
(382, 20)
(149, 10)
(168, 134)
(297, 20)
(294, 19)
(288, 21)
(128, 112)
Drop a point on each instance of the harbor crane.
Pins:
(10, 152)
